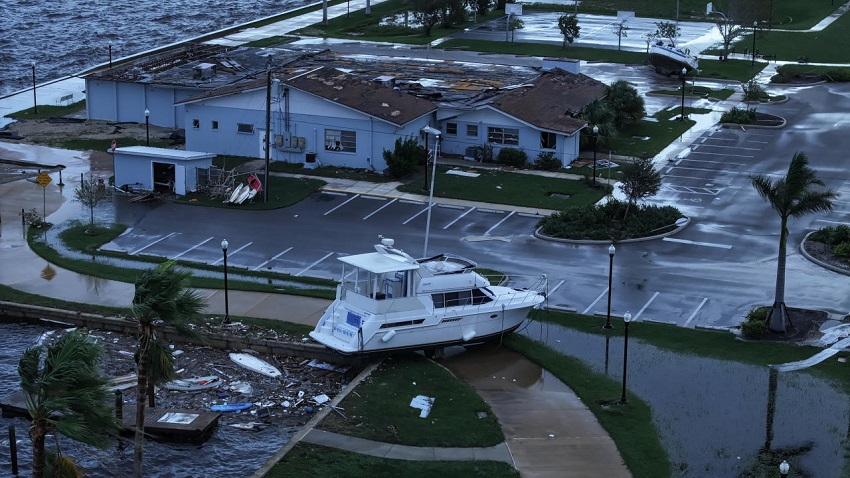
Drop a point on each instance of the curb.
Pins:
(817, 261)
(597, 242)
(299, 435)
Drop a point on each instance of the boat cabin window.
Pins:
(460, 298)
(389, 285)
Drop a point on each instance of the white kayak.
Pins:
(192, 384)
(256, 365)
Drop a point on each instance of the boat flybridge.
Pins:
(389, 301)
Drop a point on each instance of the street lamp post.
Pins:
(595, 140)
(684, 72)
(147, 127)
(427, 131)
(627, 317)
(753, 62)
(611, 251)
(34, 99)
(431, 193)
(784, 468)
(226, 303)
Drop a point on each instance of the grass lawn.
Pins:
(282, 192)
(356, 174)
(380, 409)
(701, 91)
(516, 189)
(648, 137)
(310, 461)
(48, 111)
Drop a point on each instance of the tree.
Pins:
(639, 181)
(480, 6)
(626, 104)
(621, 30)
(649, 38)
(404, 159)
(667, 30)
(63, 390)
(598, 113)
(426, 12)
(516, 24)
(91, 192)
(161, 298)
(568, 24)
(791, 196)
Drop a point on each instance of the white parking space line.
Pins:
(273, 258)
(374, 198)
(714, 180)
(694, 160)
(376, 211)
(229, 254)
(499, 223)
(593, 304)
(411, 201)
(334, 193)
(459, 218)
(314, 264)
(695, 243)
(696, 311)
(194, 247)
(352, 198)
(417, 214)
(152, 243)
(831, 222)
(709, 170)
(637, 316)
(727, 147)
(725, 155)
(712, 138)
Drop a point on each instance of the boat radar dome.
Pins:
(386, 241)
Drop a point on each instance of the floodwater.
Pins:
(230, 452)
(711, 414)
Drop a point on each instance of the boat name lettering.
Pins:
(344, 331)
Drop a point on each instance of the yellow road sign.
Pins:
(43, 179)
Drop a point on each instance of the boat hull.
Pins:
(670, 62)
(432, 332)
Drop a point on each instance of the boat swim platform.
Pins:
(178, 425)
(14, 404)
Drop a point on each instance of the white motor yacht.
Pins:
(668, 59)
(389, 301)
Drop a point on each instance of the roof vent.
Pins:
(203, 71)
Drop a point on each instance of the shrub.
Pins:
(842, 250)
(33, 219)
(404, 159)
(754, 326)
(603, 222)
(512, 157)
(739, 116)
(547, 162)
(832, 235)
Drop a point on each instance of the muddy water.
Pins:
(229, 453)
(712, 414)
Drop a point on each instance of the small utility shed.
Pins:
(159, 169)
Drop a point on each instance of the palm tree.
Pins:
(65, 391)
(161, 298)
(791, 196)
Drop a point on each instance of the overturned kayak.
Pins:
(193, 384)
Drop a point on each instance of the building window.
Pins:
(472, 130)
(244, 128)
(339, 140)
(547, 140)
(451, 129)
(196, 123)
(215, 125)
(506, 136)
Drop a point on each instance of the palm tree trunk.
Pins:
(778, 316)
(141, 396)
(37, 434)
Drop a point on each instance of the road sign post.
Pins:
(43, 179)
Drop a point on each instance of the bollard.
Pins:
(119, 405)
(13, 449)
(60, 179)
(23, 218)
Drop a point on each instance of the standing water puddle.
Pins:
(711, 414)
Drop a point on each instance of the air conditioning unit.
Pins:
(203, 71)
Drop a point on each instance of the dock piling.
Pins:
(13, 449)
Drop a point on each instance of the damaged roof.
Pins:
(552, 100)
(363, 95)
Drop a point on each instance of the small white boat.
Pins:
(236, 193)
(668, 59)
(256, 365)
(389, 301)
(193, 384)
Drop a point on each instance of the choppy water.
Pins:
(230, 453)
(67, 36)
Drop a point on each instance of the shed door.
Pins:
(179, 180)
